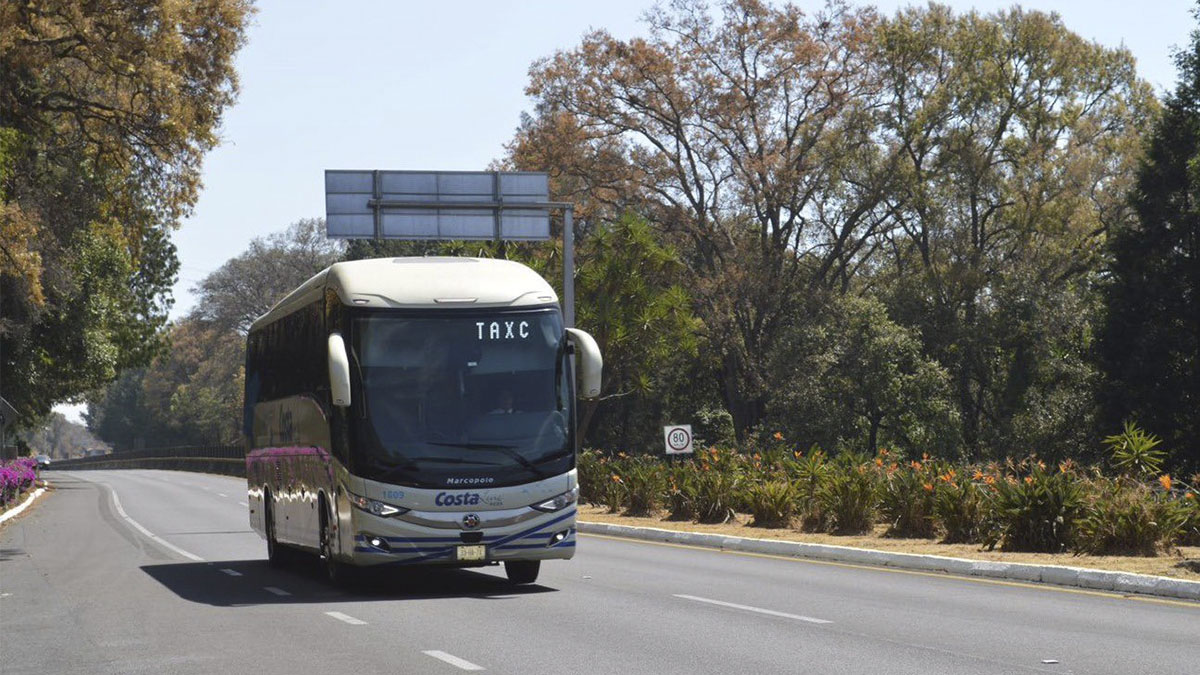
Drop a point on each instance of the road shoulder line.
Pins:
(149, 535)
(12, 513)
(1119, 582)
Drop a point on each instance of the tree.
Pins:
(1149, 347)
(248, 285)
(631, 299)
(119, 414)
(747, 141)
(106, 111)
(1018, 140)
(195, 388)
(191, 393)
(853, 378)
(59, 438)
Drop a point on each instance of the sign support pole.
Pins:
(569, 266)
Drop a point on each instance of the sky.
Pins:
(440, 86)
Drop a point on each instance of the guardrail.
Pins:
(223, 459)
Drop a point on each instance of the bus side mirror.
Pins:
(590, 363)
(339, 371)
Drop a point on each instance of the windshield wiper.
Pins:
(506, 450)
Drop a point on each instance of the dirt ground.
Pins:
(1172, 565)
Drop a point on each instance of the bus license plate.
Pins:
(472, 552)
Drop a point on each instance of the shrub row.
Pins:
(16, 476)
(1016, 506)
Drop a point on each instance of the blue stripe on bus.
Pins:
(503, 543)
(519, 547)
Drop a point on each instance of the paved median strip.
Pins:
(748, 608)
(453, 660)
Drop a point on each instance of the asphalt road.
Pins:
(172, 580)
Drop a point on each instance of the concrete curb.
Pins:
(1079, 577)
(12, 513)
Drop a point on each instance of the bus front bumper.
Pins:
(384, 541)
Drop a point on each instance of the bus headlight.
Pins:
(375, 507)
(558, 503)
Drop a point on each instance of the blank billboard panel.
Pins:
(461, 205)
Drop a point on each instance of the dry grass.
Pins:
(1165, 565)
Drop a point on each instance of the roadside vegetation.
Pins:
(932, 270)
(17, 478)
(1024, 505)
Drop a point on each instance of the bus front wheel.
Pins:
(522, 571)
(337, 571)
(275, 552)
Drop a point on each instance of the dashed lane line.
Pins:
(232, 573)
(280, 592)
(346, 618)
(748, 608)
(453, 660)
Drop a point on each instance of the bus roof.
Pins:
(428, 282)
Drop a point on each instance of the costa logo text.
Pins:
(460, 499)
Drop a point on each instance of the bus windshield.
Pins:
(462, 400)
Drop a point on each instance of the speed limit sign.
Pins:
(678, 439)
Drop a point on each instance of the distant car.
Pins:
(43, 461)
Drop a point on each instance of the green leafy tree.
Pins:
(1149, 345)
(744, 135)
(630, 297)
(191, 394)
(106, 110)
(1018, 140)
(852, 378)
(59, 438)
(119, 414)
(247, 285)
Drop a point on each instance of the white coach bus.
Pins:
(413, 411)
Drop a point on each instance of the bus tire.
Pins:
(522, 571)
(276, 556)
(337, 572)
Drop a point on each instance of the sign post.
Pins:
(489, 205)
(678, 439)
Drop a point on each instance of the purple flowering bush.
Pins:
(16, 477)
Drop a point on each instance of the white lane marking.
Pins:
(138, 526)
(222, 494)
(12, 513)
(232, 573)
(277, 591)
(243, 503)
(346, 618)
(452, 660)
(748, 608)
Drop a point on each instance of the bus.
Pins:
(417, 411)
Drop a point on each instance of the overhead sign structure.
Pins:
(437, 205)
(678, 439)
(495, 205)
